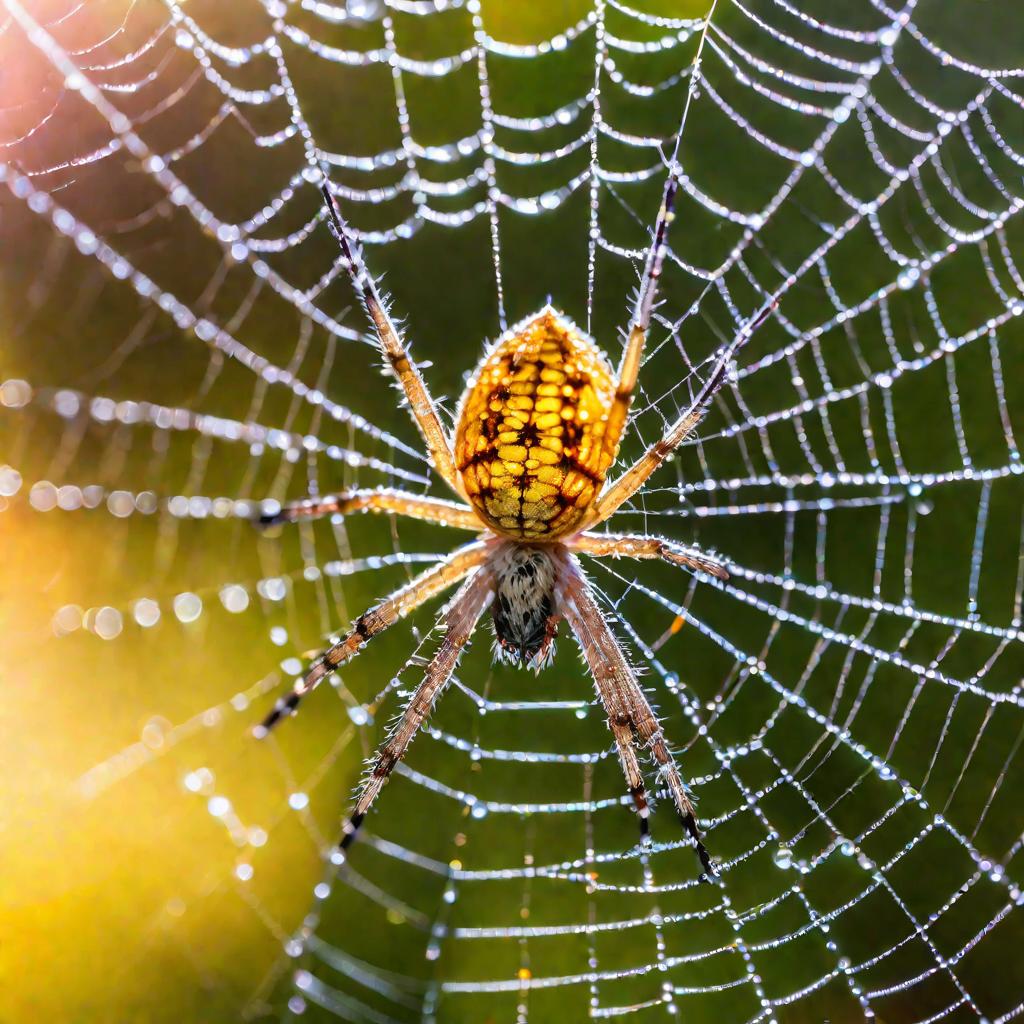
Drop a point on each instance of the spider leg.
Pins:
(437, 578)
(629, 712)
(629, 368)
(619, 545)
(459, 619)
(379, 499)
(622, 729)
(636, 476)
(424, 410)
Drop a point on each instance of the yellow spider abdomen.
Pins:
(530, 442)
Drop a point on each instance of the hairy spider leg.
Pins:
(619, 722)
(624, 701)
(378, 499)
(432, 581)
(459, 619)
(622, 545)
(629, 368)
(422, 406)
(622, 489)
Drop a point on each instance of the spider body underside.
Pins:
(525, 620)
(537, 433)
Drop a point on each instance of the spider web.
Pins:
(847, 705)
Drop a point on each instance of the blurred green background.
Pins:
(131, 892)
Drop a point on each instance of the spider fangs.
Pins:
(537, 431)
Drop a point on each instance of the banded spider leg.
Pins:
(458, 619)
(428, 584)
(630, 715)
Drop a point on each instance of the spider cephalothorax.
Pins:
(524, 612)
(538, 430)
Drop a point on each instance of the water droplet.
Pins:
(188, 606)
(146, 612)
(783, 857)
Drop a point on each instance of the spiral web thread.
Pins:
(814, 716)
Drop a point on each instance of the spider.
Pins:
(537, 431)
